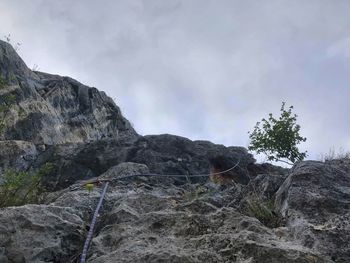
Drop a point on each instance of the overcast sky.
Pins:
(201, 69)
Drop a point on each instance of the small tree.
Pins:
(278, 138)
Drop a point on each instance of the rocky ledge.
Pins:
(262, 214)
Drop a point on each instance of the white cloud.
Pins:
(201, 69)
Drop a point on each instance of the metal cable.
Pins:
(182, 175)
(94, 218)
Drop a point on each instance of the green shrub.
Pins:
(278, 138)
(263, 211)
(19, 187)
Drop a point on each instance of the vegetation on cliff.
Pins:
(278, 138)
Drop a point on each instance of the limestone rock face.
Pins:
(315, 200)
(17, 155)
(145, 220)
(12, 67)
(163, 154)
(148, 219)
(39, 233)
(51, 109)
(265, 186)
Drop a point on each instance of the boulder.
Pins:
(315, 200)
(40, 233)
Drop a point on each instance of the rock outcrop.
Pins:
(315, 200)
(265, 214)
(146, 220)
(163, 154)
(51, 109)
(17, 155)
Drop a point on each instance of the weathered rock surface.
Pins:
(51, 109)
(315, 200)
(39, 233)
(17, 155)
(12, 67)
(265, 186)
(145, 220)
(163, 154)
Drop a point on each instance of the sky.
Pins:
(205, 70)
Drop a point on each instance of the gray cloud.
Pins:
(201, 69)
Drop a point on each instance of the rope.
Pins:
(92, 225)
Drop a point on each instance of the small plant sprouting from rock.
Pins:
(20, 187)
(2, 83)
(278, 138)
(263, 211)
(35, 67)
(334, 154)
(8, 39)
(89, 187)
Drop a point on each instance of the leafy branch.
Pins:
(278, 138)
(21, 187)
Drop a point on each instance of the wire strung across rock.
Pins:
(98, 207)
(181, 175)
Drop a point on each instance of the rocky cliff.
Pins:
(265, 214)
(51, 109)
